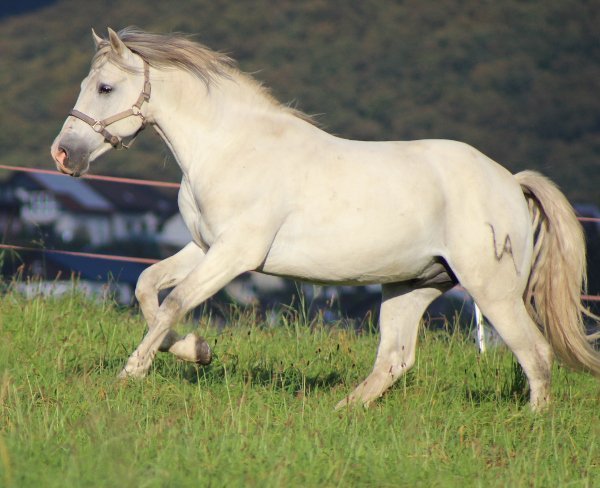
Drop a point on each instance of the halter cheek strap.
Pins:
(135, 110)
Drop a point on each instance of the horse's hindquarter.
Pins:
(361, 213)
(487, 218)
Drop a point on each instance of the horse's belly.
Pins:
(362, 269)
(355, 251)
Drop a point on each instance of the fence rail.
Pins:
(115, 179)
(92, 255)
(135, 181)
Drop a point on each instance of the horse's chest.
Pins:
(200, 230)
(203, 233)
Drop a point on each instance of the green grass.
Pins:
(262, 413)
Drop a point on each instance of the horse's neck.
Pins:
(201, 128)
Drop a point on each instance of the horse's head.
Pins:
(110, 107)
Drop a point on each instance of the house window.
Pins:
(42, 202)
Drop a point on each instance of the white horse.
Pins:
(264, 189)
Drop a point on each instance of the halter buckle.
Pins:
(99, 126)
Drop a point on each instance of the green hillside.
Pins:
(518, 80)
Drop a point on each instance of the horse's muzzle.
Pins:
(71, 159)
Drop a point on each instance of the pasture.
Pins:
(262, 413)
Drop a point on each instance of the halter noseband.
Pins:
(135, 110)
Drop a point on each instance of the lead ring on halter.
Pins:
(135, 110)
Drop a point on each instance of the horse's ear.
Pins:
(116, 43)
(97, 39)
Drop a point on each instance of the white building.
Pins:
(92, 211)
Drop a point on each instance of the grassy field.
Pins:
(262, 413)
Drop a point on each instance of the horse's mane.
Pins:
(179, 51)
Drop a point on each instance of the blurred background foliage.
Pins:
(519, 80)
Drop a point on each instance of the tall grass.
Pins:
(262, 413)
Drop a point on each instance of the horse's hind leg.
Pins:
(401, 310)
(497, 288)
(512, 321)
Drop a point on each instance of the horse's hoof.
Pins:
(132, 369)
(126, 374)
(342, 404)
(203, 351)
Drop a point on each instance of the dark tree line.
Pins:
(518, 80)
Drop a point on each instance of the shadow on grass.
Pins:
(96, 365)
(290, 379)
(511, 389)
(514, 389)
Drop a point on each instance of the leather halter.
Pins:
(135, 110)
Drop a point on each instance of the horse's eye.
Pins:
(104, 89)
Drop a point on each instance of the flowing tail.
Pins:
(558, 274)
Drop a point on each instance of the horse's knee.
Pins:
(145, 287)
(141, 295)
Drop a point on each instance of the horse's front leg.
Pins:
(167, 273)
(227, 258)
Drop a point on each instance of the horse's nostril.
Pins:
(62, 156)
